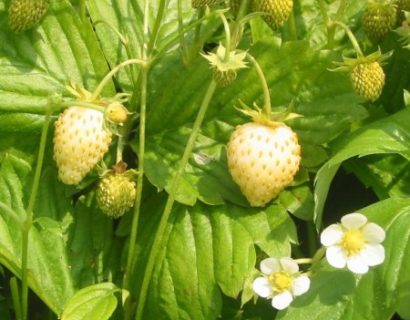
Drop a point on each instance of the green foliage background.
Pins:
(214, 240)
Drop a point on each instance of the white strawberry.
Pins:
(80, 142)
(263, 159)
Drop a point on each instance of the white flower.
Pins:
(281, 281)
(355, 243)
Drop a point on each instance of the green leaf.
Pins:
(387, 175)
(48, 268)
(389, 135)
(96, 302)
(42, 61)
(208, 251)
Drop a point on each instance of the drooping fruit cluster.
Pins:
(278, 11)
(80, 142)
(197, 4)
(25, 14)
(378, 20)
(263, 159)
(116, 193)
(368, 80)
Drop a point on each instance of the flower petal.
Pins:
(269, 265)
(332, 235)
(336, 257)
(300, 285)
(289, 265)
(282, 300)
(353, 220)
(357, 264)
(373, 233)
(262, 287)
(373, 254)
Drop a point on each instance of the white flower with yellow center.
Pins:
(281, 281)
(354, 243)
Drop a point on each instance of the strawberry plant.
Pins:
(204, 159)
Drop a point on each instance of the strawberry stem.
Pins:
(28, 222)
(227, 36)
(141, 155)
(267, 107)
(351, 36)
(110, 74)
(159, 235)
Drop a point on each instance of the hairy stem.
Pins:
(110, 74)
(227, 36)
(141, 155)
(331, 28)
(157, 25)
(352, 38)
(157, 244)
(29, 212)
(267, 107)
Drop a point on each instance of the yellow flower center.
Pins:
(280, 280)
(353, 241)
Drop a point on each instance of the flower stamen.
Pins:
(353, 242)
(281, 281)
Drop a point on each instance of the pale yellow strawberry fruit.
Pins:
(80, 142)
(263, 159)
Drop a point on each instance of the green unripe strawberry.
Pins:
(368, 80)
(378, 20)
(26, 14)
(263, 159)
(197, 4)
(278, 10)
(224, 78)
(116, 194)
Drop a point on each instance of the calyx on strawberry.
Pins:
(116, 192)
(263, 158)
(278, 11)
(225, 67)
(366, 74)
(26, 14)
(378, 20)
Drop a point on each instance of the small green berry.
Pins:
(368, 80)
(116, 194)
(278, 10)
(378, 20)
(26, 14)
